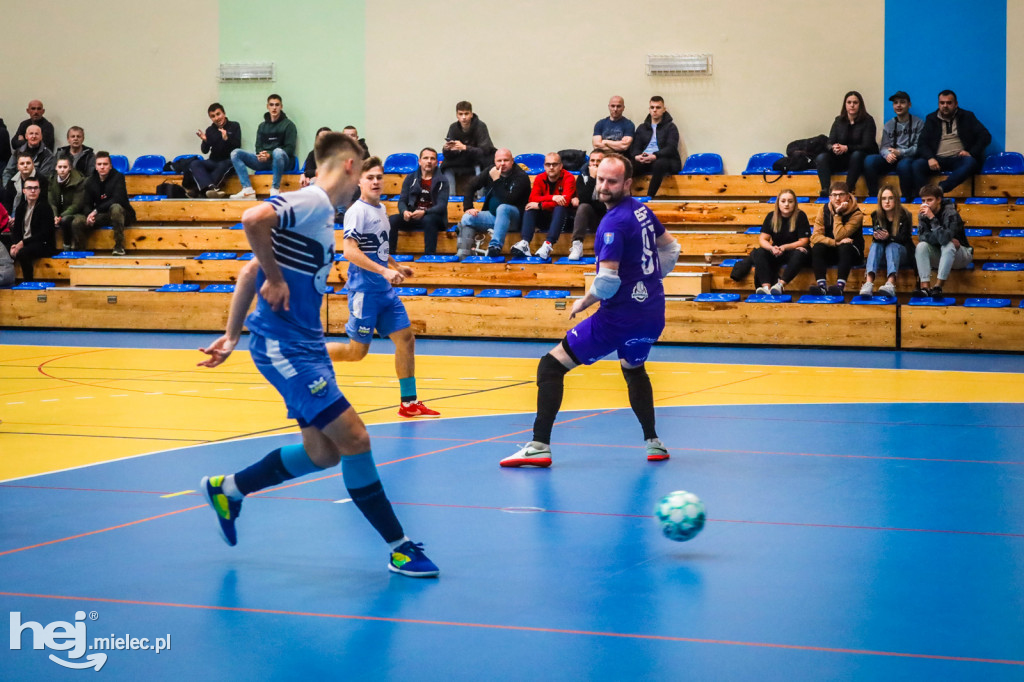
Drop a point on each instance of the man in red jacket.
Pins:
(550, 204)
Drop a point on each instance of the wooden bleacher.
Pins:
(709, 215)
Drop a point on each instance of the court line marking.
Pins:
(523, 628)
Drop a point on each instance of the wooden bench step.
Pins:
(126, 275)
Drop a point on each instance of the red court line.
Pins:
(524, 628)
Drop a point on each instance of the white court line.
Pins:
(347, 499)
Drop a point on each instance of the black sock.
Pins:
(550, 384)
(265, 473)
(375, 506)
(641, 398)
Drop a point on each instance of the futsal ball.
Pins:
(681, 515)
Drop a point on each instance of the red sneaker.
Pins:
(416, 409)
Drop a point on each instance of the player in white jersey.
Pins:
(373, 302)
(292, 237)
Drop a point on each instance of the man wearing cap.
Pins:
(898, 149)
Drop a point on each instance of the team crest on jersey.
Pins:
(318, 387)
(639, 292)
(383, 251)
(363, 331)
(609, 237)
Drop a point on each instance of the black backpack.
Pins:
(573, 159)
(800, 154)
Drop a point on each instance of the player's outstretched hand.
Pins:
(405, 270)
(276, 294)
(218, 351)
(394, 277)
(577, 307)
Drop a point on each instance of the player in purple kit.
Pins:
(634, 253)
(292, 237)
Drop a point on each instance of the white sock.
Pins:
(230, 489)
(398, 543)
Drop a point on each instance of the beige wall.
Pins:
(539, 72)
(1014, 76)
(118, 68)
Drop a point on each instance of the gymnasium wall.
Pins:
(539, 73)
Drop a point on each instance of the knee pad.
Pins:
(631, 374)
(549, 369)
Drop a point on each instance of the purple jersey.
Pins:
(628, 234)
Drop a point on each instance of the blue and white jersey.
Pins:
(369, 226)
(303, 242)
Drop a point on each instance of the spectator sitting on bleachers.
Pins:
(309, 167)
(275, 150)
(891, 244)
(423, 203)
(850, 141)
(35, 113)
(32, 233)
(25, 168)
(5, 144)
(6, 262)
(42, 157)
(898, 149)
(354, 134)
(589, 209)
(67, 201)
(953, 141)
(837, 239)
(5, 227)
(941, 241)
(655, 148)
(782, 246)
(614, 134)
(506, 190)
(549, 205)
(83, 158)
(467, 145)
(106, 199)
(220, 139)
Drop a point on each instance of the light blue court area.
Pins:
(874, 542)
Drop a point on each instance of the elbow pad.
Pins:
(667, 256)
(605, 284)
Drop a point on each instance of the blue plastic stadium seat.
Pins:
(987, 201)
(237, 226)
(217, 289)
(728, 262)
(762, 163)
(978, 232)
(148, 164)
(216, 255)
(584, 260)
(716, 298)
(119, 162)
(702, 164)
(987, 303)
(529, 260)
(548, 293)
(402, 257)
(870, 200)
(1003, 267)
(411, 291)
(339, 257)
(182, 157)
(867, 231)
(534, 163)
(1019, 202)
(147, 197)
(752, 230)
(178, 288)
(828, 300)
(457, 293)
(768, 298)
(247, 256)
(73, 255)
(34, 286)
(500, 293)
(1011, 233)
(799, 200)
(404, 163)
(873, 300)
(483, 259)
(933, 302)
(439, 258)
(1003, 163)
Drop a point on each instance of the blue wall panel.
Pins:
(954, 44)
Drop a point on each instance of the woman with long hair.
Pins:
(850, 141)
(782, 245)
(891, 243)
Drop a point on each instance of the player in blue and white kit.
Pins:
(372, 300)
(634, 253)
(292, 237)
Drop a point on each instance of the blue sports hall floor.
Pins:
(865, 519)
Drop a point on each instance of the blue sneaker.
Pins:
(226, 508)
(410, 560)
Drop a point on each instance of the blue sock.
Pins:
(279, 466)
(407, 387)
(367, 492)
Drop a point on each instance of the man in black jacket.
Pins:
(589, 209)
(42, 157)
(422, 204)
(952, 141)
(942, 241)
(107, 200)
(83, 158)
(506, 190)
(35, 113)
(5, 144)
(467, 145)
(655, 149)
(220, 139)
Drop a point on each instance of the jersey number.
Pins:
(647, 260)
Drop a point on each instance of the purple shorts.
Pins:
(597, 336)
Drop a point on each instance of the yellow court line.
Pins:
(84, 406)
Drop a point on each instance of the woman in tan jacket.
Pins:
(837, 239)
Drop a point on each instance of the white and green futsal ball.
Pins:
(680, 515)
